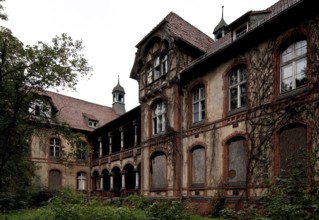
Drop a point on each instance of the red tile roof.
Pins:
(76, 112)
(180, 28)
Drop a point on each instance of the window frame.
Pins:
(201, 102)
(235, 184)
(81, 151)
(237, 86)
(191, 167)
(81, 181)
(151, 171)
(279, 147)
(293, 62)
(55, 148)
(40, 108)
(157, 65)
(92, 123)
(158, 118)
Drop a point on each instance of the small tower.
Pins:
(221, 29)
(118, 98)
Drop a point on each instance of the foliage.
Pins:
(3, 16)
(293, 196)
(68, 204)
(172, 210)
(25, 72)
(137, 201)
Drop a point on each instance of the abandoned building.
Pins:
(218, 114)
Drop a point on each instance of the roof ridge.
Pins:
(68, 96)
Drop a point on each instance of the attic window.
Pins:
(40, 108)
(93, 123)
(240, 31)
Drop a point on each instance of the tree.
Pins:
(3, 16)
(25, 71)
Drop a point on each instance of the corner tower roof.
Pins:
(118, 87)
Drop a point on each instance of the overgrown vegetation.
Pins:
(67, 204)
(293, 196)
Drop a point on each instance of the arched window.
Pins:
(198, 167)
(54, 179)
(293, 65)
(54, 148)
(158, 170)
(81, 181)
(292, 146)
(156, 60)
(198, 104)
(237, 88)
(237, 161)
(158, 117)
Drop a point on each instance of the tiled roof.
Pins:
(273, 10)
(180, 28)
(187, 32)
(76, 112)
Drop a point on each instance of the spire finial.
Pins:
(118, 79)
(222, 11)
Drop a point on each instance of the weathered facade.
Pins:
(220, 117)
(62, 161)
(217, 117)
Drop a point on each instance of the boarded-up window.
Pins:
(158, 170)
(292, 141)
(198, 167)
(54, 179)
(237, 162)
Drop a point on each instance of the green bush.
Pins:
(137, 201)
(170, 210)
(68, 205)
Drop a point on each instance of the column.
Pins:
(137, 179)
(110, 142)
(111, 181)
(135, 132)
(123, 172)
(122, 138)
(101, 145)
(101, 182)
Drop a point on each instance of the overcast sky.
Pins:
(110, 29)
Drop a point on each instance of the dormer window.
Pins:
(40, 108)
(92, 123)
(241, 31)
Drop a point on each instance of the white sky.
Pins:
(110, 29)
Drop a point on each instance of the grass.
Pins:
(45, 213)
(28, 214)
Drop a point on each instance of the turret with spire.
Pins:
(118, 98)
(221, 29)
